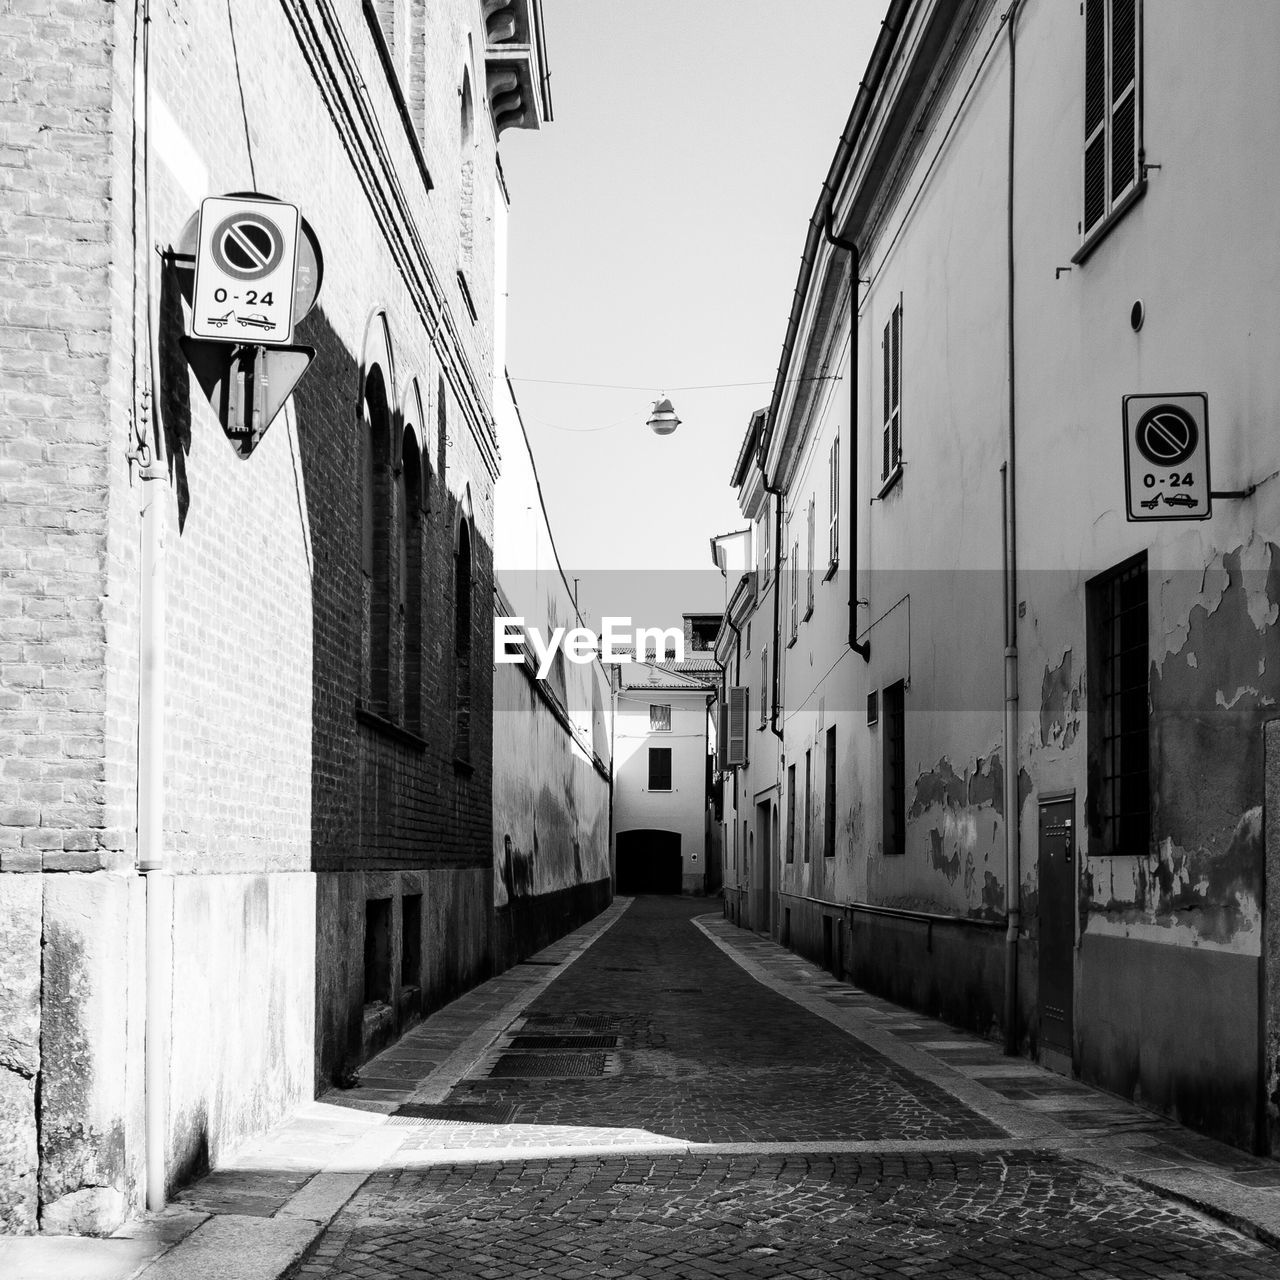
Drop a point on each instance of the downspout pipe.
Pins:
(775, 674)
(153, 475)
(861, 647)
(1009, 505)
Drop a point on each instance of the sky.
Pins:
(657, 225)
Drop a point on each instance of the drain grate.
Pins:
(572, 1021)
(563, 1042)
(456, 1113)
(547, 1065)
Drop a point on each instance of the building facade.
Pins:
(246, 825)
(1020, 720)
(663, 745)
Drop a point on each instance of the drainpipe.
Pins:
(153, 476)
(861, 647)
(1009, 522)
(775, 674)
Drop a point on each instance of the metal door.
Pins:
(763, 826)
(1057, 921)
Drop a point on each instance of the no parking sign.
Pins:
(1166, 457)
(246, 260)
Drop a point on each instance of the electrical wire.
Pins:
(708, 386)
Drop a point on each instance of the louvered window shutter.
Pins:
(736, 727)
(833, 535)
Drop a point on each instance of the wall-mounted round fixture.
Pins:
(1137, 314)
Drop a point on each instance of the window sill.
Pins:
(831, 570)
(465, 290)
(791, 644)
(808, 613)
(388, 728)
(1108, 224)
(463, 767)
(894, 476)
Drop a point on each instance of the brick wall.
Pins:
(270, 774)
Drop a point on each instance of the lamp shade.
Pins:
(663, 420)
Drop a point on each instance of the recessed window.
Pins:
(1112, 115)
(829, 799)
(462, 576)
(894, 779)
(764, 686)
(833, 522)
(659, 768)
(411, 536)
(375, 544)
(1119, 711)
(891, 433)
(377, 950)
(411, 941)
(659, 718)
(808, 801)
(791, 813)
(812, 549)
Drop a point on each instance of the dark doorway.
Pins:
(1057, 923)
(649, 862)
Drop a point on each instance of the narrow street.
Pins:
(712, 1126)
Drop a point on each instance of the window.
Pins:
(411, 941)
(829, 799)
(833, 523)
(467, 172)
(462, 576)
(375, 543)
(735, 737)
(794, 580)
(411, 523)
(891, 453)
(808, 800)
(766, 545)
(377, 950)
(894, 800)
(813, 547)
(659, 768)
(659, 718)
(1119, 710)
(791, 813)
(1112, 117)
(764, 686)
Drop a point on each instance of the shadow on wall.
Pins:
(400, 777)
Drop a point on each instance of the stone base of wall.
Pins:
(241, 1045)
(526, 925)
(356, 1017)
(1173, 1028)
(955, 972)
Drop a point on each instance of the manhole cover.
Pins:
(564, 1042)
(456, 1113)
(573, 1021)
(547, 1065)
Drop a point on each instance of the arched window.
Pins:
(463, 573)
(466, 167)
(411, 538)
(375, 548)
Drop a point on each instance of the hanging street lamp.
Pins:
(663, 420)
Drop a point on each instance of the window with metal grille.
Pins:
(1112, 106)
(659, 718)
(891, 450)
(833, 522)
(829, 800)
(1119, 710)
(894, 801)
(791, 813)
(659, 768)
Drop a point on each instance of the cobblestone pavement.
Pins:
(827, 1153)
